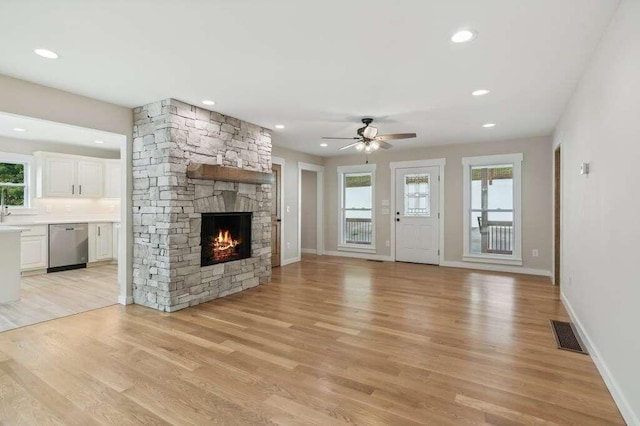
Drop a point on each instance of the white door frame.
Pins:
(320, 205)
(281, 162)
(394, 165)
(125, 237)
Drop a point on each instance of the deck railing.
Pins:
(496, 236)
(358, 231)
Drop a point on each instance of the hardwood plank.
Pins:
(329, 341)
(49, 296)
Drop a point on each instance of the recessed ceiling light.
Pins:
(480, 92)
(324, 145)
(99, 142)
(279, 126)
(19, 129)
(463, 36)
(45, 53)
(488, 125)
(208, 102)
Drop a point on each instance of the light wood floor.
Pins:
(48, 296)
(330, 341)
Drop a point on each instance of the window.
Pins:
(357, 224)
(14, 179)
(492, 226)
(417, 199)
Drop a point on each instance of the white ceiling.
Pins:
(317, 67)
(41, 130)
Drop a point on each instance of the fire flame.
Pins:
(224, 242)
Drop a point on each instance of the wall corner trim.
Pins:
(497, 268)
(290, 261)
(128, 300)
(621, 401)
(357, 255)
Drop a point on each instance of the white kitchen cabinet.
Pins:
(58, 177)
(69, 176)
(112, 178)
(100, 242)
(34, 248)
(90, 178)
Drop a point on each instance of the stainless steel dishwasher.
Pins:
(68, 246)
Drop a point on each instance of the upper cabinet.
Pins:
(70, 176)
(112, 178)
(90, 178)
(58, 177)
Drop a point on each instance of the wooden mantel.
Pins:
(228, 174)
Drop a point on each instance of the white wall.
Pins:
(33, 100)
(290, 192)
(309, 212)
(600, 235)
(536, 196)
(28, 147)
(44, 208)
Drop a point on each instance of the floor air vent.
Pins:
(566, 337)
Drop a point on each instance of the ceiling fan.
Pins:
(368, 139)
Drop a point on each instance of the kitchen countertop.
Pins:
(60, 220)
(6, 229)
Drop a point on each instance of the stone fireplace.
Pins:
(225, 237)
(174, 213)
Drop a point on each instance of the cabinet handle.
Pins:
(73, 189)
(80, 189)
(98, 231)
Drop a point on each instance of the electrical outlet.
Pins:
(288, 245)
(288, 209)
(535, 253)
(67, 207)
(570, 281)
(49, 208)
(387, 243)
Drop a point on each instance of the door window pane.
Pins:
(417, 197)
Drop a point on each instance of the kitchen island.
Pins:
(10, 263)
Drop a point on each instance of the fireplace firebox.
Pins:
(225, 237)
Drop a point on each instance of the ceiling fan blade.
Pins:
(351, 145)
(328, 137)
(393, 136)
(384, 145)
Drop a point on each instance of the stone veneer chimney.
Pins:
(169, 135)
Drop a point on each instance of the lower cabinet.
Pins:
(34, 249)
(100, 242)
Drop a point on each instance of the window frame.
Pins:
(28, 162)
(493, 160)
(342, 244)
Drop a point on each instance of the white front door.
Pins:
(417, 215)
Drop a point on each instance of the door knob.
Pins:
(398, 220)
(397, 212)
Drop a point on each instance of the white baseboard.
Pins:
(290, 261)
(309, 251)
(358, 255)
(125, 300)
(623, 404)
(496, 268)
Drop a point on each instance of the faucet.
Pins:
(4, 210)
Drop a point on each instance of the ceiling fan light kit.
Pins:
(368, 139)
